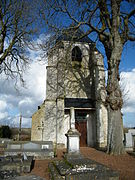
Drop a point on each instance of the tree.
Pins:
(17, 27)
(112, 22)
(5, 132)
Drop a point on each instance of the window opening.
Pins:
(76, 54)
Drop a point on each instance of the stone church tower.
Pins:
(75, 78)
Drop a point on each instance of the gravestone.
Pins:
(38, 150)
(130, 140)
(73, 136)
(31, 145)
(14, 146)
(17, 164)
(80, 169)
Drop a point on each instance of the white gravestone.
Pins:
(129, 140)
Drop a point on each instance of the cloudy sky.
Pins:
(23, 100)
(26, 100)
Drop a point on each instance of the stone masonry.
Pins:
(75, 78)
(37, 124)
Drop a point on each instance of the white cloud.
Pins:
(3, 115)
(128, 83)
(27, 106)
(3, 110)
(35, 80)
(3, 105)
(25, 100)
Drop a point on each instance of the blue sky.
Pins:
(26, 100)
(127, 69)
(128, 57)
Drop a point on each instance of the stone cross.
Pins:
(72, 118)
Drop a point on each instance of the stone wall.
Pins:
(100, 96)
(64, 77)
(71, 79)
(37, 124)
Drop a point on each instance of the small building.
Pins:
(75, 78)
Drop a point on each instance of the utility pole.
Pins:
(20, 128)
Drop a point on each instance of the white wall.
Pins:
(91, 129)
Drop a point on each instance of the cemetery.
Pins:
(77, 130)
(19, 158)
(74, 165)
(72, 119)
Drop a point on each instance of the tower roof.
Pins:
(74, 35)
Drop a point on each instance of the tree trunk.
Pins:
(113, 45)
(115, 132)
(114, 102)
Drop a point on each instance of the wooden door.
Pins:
(81, 126)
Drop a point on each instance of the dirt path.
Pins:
(124, 164)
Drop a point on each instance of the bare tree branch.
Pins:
(17, 27)
(114, 26)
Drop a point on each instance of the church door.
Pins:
(81, 126)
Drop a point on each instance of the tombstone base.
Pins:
(80, 168)
(73, 141)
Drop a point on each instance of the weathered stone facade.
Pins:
(37, 124)
(75, 78)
